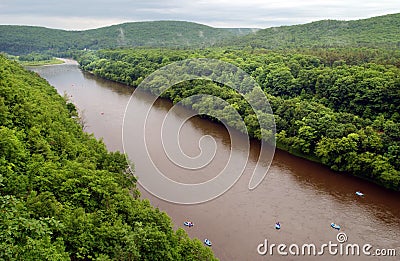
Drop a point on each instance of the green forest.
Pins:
(63, 196)
(23, 40)
(343, 116)
(376, 32)
(333, 86)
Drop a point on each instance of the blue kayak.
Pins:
(335, 226)
(207, 242)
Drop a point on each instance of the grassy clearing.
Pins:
(40, 63)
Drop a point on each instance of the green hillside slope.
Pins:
(377, 32)
(26, 39)
(63, 196)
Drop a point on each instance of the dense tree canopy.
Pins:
(63, 196)
(376, 32)
(334, 87)
(378, 36)
(22, 40)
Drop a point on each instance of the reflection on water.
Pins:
(303, 196)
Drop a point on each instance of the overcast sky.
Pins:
(85, 14)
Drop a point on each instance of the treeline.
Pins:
(344, 116)
(22, 40)
(35, 59)
(63, 196)
(376, 32)
(352, 55)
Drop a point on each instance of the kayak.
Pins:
(188, 223)
(358, 193)
(207, 242)
(335, 226)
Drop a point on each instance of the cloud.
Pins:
(60, 22)
(83, 14)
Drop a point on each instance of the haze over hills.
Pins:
(380, 32)
(26, 39)
(376, 32)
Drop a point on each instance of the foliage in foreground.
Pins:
(63, 196)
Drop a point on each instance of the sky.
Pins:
(88, 14)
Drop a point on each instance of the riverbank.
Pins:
(292, 150)
(307, 120)
(41, 63)
(36, 60)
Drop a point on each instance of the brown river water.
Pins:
(305, 197)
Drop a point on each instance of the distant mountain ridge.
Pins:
(25, 39)
(377, 32)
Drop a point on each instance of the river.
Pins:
(303, 196)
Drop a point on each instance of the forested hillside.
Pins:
(17, 40)
(63, 196)
(344, 116)
(376, 32)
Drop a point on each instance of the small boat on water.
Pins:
(207, 242)
(358, 193)
(277, 225)
(188, 223)
(335, 226)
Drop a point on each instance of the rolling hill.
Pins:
(26, 39)
(375, 32)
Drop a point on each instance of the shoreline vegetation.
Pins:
(52, 61)
(36, 59)
(344, 116)
(63, 195)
